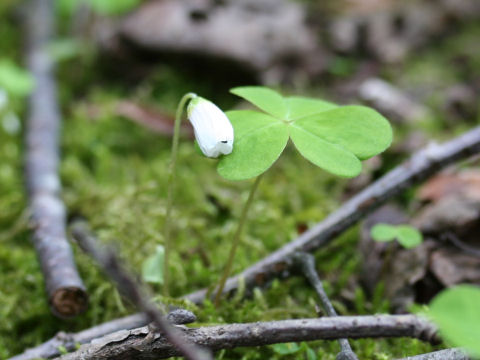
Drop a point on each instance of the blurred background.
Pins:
(121, 68)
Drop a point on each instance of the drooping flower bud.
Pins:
(213, 131)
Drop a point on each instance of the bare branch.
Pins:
(448, 354)
(419, 167)
(127, 284)
(66, 292)
(132, 344)
(307, 264)
(69, 341)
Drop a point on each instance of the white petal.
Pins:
(213, 130)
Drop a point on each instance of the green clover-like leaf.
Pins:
(335, 138)
(406, 235)
(457, 314)
(259, 141)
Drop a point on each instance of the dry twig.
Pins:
(66, 292)
(69, 341)
(307, 263)
(132, 344)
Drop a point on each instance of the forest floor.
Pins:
(113, 175)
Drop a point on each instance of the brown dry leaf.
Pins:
(452, 267)
(466, 183)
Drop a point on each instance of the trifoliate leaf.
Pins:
(152, 268)
(329, 156)
(332, 137)
(259, 141)
(457, 314)
(264, 98)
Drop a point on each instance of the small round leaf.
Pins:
(457, 314)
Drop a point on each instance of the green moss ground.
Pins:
(113, 174)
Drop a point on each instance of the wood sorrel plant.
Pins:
(335, 138)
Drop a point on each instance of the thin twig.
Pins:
(419, 167)
(70, 341)
(65, 289)
(126, 283)
(132, 345)
(307, 264)
(448, 354)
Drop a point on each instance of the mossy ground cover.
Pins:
(114, 176)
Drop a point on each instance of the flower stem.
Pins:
(170, 182)
(236, 240)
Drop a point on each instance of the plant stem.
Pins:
(170, 182)
(236, 240)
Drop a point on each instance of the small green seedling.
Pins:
(335, 138)
(406, 235)
(153, 267)
(457, 314)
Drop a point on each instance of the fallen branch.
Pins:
(70, 341)
(307, 264)
(128, 286)
(66, 292)
(132, 344)
(448, 354)
(419, 167)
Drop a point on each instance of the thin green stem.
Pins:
(236, 240)
(170, 182)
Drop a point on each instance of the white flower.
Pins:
(213, 130)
